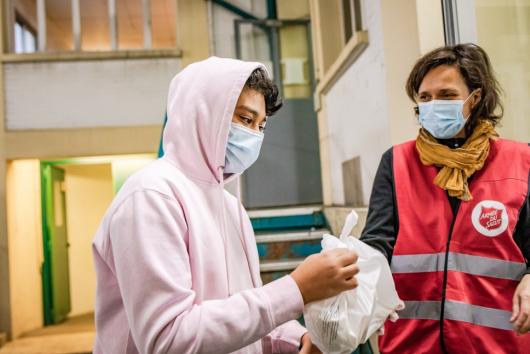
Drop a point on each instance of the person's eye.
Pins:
(245, 119)
(262, 128)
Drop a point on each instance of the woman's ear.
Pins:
(477, 96)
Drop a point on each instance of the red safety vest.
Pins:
(457, 273)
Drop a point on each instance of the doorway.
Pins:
(288, 170)
(75, 195)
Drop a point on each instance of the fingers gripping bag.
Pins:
(339, 324)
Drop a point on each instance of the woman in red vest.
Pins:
(451, 211)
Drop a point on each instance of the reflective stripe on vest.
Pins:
(476, 265)
(457, 311)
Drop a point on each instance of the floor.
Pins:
(74, 336)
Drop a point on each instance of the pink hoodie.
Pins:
(163, 276)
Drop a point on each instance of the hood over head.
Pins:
(201, 103)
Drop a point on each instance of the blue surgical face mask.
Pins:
(443, 118)
(242, 149)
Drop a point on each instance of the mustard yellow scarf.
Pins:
(457, 165)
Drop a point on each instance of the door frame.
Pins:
(47, 204)
(460, 21)
(271, 27)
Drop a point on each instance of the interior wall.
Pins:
(24, 219)
(88, 194)
(124, 168)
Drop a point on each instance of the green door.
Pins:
(55, 273)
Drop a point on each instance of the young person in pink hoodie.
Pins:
(176, 259)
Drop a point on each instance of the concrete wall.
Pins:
(356, 110)
(25, 245)
(336, 216)
(89, 192)
(81, 94)
(367, 110)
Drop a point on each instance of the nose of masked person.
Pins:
(242, 149)
(443, 118)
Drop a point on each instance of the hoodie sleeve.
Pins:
(149, 251)
(284, 339)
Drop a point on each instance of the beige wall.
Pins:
(82, 142)
(25, 245)
(430, 24)
(192, 30)
(401, 46)
(88, 195)
(292, 9)
(5, 313)
(415, 31)
(329, 40)
(503, 31)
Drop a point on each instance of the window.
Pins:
(92, 25)
(351, 18)
(25, 37)
(337, 27)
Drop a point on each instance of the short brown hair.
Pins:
(475, 67)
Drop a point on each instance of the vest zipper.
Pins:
(444, 287)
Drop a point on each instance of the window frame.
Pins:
(12, 17)
(26, 26)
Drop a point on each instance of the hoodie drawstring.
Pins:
(223, 229)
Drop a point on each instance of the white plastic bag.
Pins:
(339, 324)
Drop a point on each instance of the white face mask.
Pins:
(242, 149)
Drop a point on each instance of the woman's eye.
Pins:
(262, 128)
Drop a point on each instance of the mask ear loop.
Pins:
(468, 97)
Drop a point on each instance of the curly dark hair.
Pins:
(259, 81)
(475, 67)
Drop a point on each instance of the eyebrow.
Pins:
(249, 110)
(442, 91)
(449, 90)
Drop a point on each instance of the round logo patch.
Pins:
(490, 218)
